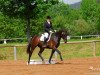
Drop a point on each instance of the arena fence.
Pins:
(69, 37)
(84, 36)
(93, 42)
(18, 52)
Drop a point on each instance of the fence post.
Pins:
(15, 53)
(94, 48)
(5, 41)
(81, 37)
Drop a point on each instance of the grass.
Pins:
(69, 51)
(76, 50)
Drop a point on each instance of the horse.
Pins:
(52, 44)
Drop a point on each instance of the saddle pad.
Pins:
(45, 35)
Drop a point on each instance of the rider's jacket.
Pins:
(48, 27)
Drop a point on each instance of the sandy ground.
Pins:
(83, 66)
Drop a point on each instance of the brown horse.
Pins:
(53, 44)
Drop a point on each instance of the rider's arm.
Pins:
(52, 28)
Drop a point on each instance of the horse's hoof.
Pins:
(49, 62)
(62, 62)
(28, 63)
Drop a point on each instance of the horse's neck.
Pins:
(57, 39)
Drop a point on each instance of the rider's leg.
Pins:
(45, 41)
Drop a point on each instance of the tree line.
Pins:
(25, 18)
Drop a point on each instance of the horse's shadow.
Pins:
(63, 63)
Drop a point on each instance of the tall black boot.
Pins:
(45, 43)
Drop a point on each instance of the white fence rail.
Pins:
(84, 36)
(5, 40)
(69, 37)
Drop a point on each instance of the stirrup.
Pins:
(44, 45)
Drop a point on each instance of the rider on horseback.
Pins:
(47, 28)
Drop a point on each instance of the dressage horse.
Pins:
(53, 44)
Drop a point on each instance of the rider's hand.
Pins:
(54, 30)
(51, 31)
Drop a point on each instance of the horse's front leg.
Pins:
(51, 56)
(40, 54)
(59, 54)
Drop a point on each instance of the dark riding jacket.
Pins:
(48, 27)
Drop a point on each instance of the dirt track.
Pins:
(86, 66)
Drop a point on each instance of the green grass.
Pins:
(76, 50)
(69, 51)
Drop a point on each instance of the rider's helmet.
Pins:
(48, 17)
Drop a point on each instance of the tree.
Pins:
(11, 28)
(89, 9)
(82, 27)
(19, 9)
(25, 9)
(98, 22)
(90, 13)
(63, 16)
(58, 13)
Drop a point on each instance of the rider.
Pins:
(47, 28)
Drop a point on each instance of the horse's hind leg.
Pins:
(51, 56)
(30, 54)
(40, 54)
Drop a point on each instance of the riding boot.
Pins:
(45, 43)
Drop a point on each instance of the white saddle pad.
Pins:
(45, 35)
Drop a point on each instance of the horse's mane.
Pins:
(60, 31)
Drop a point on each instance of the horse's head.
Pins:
(64, 35)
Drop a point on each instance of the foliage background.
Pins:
(82, 21)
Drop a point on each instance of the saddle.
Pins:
(45, 36)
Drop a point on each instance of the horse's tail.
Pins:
(29, 48)
(29, 45)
